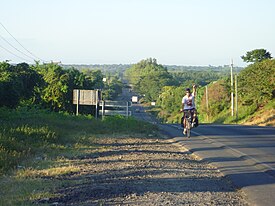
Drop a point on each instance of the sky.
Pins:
(175, 32)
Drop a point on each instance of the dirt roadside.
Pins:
(146, 171)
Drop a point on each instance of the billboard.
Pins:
(86, 97)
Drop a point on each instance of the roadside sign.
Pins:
(86, 97)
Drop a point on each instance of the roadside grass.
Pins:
(38, 147)
(264, 116)
(248, 114)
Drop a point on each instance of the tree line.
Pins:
(50, 86)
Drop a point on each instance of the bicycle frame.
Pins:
(188, 122)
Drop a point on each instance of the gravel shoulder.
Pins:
(145, 171)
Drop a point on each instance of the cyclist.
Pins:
(188, 103)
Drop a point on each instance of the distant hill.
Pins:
(178, 68)
(120, 68)
(105, 68)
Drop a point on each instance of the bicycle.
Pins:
(189, 124)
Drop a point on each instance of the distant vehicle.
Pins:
(135, 99)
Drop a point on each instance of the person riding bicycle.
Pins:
(188, 103)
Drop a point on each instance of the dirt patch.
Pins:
(146, 171)
(262, 118)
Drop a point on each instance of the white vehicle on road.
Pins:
(134, 99)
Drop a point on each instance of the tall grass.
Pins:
(27, 133)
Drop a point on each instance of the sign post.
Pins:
(77, 102)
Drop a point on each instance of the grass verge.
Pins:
(37, 148)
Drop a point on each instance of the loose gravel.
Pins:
(146, 171)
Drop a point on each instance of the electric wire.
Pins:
(21, 44)
(16, 48)
(14, 54)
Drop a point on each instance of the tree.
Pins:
(218, 99)
(148, 78)
(54, 88)
(256, 83)
(28, 79)
(17, 83)
(112, 87)
(95, 79)
(256, 55)
(9, 94)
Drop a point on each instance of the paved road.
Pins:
(139, 112)
(246, 154)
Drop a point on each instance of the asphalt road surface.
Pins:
(246, 154)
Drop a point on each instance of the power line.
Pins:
(16, 48)
(13, 53)
(21, 44)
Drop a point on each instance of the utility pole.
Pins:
(232, 95)
(206, 96)
(236, 97)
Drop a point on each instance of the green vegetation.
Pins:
(257, 88)
(106, 69)
(49, 86)
(29, 132)
(255, 91)
(256, 55)
(218, 102)
(148, 77)
(156, 83)
(257, 84)
(17, 83)
(166, 87)
(169, 103)
(201, 78)
(36, 145)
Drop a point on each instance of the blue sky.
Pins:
(175, 32)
